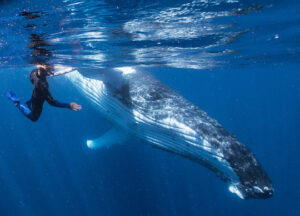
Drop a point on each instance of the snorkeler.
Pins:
(40, 94)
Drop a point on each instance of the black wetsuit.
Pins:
(40, 94)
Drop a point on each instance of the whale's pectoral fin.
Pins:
(112, 136)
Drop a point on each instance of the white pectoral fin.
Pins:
(112, 136)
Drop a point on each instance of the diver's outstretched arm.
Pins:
(53, 102)
(61, 70)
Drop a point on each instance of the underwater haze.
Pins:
(238, 60)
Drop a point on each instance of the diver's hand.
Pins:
(75, 106)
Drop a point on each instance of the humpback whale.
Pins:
(139, 105)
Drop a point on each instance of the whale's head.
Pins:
(254, 183)
(252, 191)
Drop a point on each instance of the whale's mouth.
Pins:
(254, 192)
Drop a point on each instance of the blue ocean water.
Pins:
(238, 60)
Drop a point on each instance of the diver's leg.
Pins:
(34, 113)
(36, 110)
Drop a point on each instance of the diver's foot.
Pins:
(13, 97)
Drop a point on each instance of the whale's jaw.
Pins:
(137, 103)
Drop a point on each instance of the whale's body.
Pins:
(140, 105)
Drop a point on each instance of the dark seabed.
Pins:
(236, 59)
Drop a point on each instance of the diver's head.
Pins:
(42, 73)
(44, 70)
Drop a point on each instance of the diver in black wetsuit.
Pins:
(38, 77)
(40, 94)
